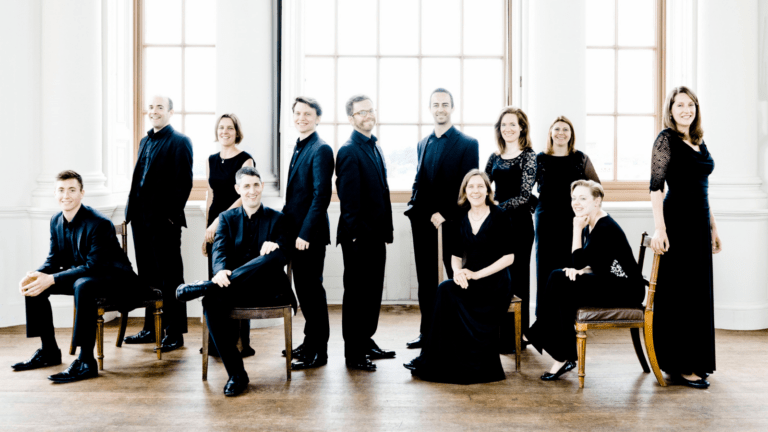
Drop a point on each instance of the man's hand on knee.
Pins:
(269, 247)
(221, 279)
(35, 283)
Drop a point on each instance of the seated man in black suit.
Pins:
(85, 260)
(248, 261)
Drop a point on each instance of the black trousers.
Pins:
(158, 258)
(244, 329)
(256, 283)
(307, 268)
(520, 272)
(85, 290)
(425, 253)
(364, 262)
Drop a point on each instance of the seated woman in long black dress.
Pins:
(462, 345)
(604, 274)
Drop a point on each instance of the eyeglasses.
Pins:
(364, 113)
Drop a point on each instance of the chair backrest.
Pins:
(122, 231)
(645, 242)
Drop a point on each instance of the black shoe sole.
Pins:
(67, 381)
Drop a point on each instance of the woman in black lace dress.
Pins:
(222, 196)
(556, 168)
(462, 345)
(686, 234)
(603, 273)
(513, 169)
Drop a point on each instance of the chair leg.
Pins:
(582, 348)
(158, 328)
(123, 326)
(518, 335)
(72, 341)
(100, 339)
(205, 349)
(648, 336)
(639, 349)
(288, 324)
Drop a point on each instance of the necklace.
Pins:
(478, 219)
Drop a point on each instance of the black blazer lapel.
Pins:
(60, 232)
(240, 227)
(308, 148)
(383, 173)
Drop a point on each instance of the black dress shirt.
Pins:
(145, 160)
(434, 150)
(300, 144)
(70, 257)
(369, 146)
(251, 233)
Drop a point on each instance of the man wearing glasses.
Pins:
(365, 228)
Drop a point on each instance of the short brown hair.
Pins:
(463, 190)
(69, 175)
(524, 141)
(595, 188)
(238, 128)
(571, 143)
(694, 130)
(309, 101)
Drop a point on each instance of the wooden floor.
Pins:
(138, 392)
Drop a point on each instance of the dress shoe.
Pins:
(568, 366)
(236, 385)
(378, 353)
(247, 351)
(411, 365)
(363, 364)
(142, 337)
(39, 359)
(77, 371)
(187, 292)
(311, 360)
(416, 343)
(297, 353)
(171, 343)
(698, 384)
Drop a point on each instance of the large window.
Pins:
(624, 87)
(398, 52)
(176, 56)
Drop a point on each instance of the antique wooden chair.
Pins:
(105, 304)
(259, 313)
(589, 318)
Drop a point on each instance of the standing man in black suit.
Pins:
(444, 157)
(365, 228)
(307, 197)
(248, 261)
(85, 261)
(162, 181)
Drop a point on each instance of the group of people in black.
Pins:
(583, 257)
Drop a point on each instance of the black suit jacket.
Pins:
(460, 154)
(168, 182)
(366, 209)
(96, 245)
(308, 193)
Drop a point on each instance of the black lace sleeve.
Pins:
(528, 178)
(659, 162)
(489, 167)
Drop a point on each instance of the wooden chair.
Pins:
(105, 304)
(589, 318)
(259, 313)
(515, 306)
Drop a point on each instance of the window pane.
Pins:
(440, 27)
(319, 26)
(636, 81)
(357, 27)
(399, 27)
(483, 90)
(601, 22)
(345, 131)
(600, 145)
(356, 75)
(162, 74)
(486, 137)
(327, 134)
(399, 87)
(200, 79)
(318, 84)
(484, 27)
(200, 26)
(637, 22)
(436, 73)
(635, 139)
(398, 143)
(162, 22)
(200, 129)
(600, 84)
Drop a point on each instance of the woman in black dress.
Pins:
(603, 273)
(462, 345)
(222, 196)
(686, 234)
(513, 169)
(556, 168)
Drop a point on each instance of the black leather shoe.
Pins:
(310, 361)
(568, 366)
(378, 353)
(212, 351)
(247, 351)
(416, 343)
(187, 292)
(77, 371)
(236, 385)
(142, 337)
(698, 384)
(171, 343)
(364, 365)
(411, 365)
(39, 359)
(297, 353)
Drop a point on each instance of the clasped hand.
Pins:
(222, 277)
(35, 283)
(463, 276)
